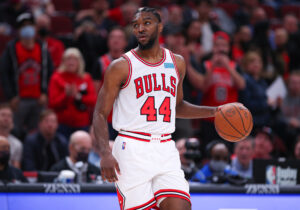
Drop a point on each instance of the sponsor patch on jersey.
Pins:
(169, 65)
(123, 145)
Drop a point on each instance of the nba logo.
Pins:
(271, 174)
(123, 145)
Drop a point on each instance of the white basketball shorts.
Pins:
(150, 170)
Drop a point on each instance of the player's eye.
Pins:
(135, 25)
(147, 23)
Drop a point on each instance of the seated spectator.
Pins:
(80, 146)
(254, 96)
(288, 125)
(297, 149)
(26, 67)
(72, 94)
(55, 47)
(94, 158)
(242, 162)
(263, 143)
(6, 126)
(45, 147)
(8, 173)
(218, 164)
(189, 154)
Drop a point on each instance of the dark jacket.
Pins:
(9, 71)
(12, 174)
(38, 155)
(254, 97)
(92, 171)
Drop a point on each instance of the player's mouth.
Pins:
(142, 38)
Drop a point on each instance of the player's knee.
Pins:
(172, 203)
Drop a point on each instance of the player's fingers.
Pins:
(114, 177)
(103, 174)
(118, 168)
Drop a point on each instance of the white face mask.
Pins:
(27, 32)
(217, 166)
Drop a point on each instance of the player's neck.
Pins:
(152, 53)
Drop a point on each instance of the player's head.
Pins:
(147, 26)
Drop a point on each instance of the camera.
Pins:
(192, 154)
(78, 103)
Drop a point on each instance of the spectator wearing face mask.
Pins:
(218, 164)
(8, 173)
(26, 67)
(80, 146)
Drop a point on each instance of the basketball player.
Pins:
(144, 87)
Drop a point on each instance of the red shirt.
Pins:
(56, 49)
(221, 88)
(29, 65)
(63, 105)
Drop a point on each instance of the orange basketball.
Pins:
(233, 122)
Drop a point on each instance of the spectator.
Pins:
(72, 93)
(6, 126)
(80, 146)
(94, 158)
(175, 18)
(290, 23)
(55, 47)
(297, 149)
(288, 124)
(242, 15)
(39, 7)
(254, 96)
(204, 9)
(193, 40)
(45, 147)
(10, 10)
(218, 164)
(8, 173)
(281, 59)
(116, 45)
(263, 143)
(241, 43)
(242, 163)
(220, 82)
(25, 69)
(92, 26)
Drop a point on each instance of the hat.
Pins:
(24, 17)
(221, 35)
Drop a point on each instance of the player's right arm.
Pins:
(115, 76)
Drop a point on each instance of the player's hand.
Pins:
(233, 103)
(109, 166)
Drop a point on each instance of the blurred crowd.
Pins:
(54, 55)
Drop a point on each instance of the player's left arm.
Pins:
(183, 108)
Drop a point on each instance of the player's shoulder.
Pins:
(180, 63)
(119, 64)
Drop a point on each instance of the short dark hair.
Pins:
(5, 106)
(151, 10)
(45, 113)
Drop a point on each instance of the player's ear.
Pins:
(160, 27)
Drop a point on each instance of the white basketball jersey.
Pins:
(147, 102)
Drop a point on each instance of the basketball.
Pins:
(233, 122)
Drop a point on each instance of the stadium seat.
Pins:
(271, 13)
(63, 5)
(85, 4)
(294, 9)
(61, 25)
